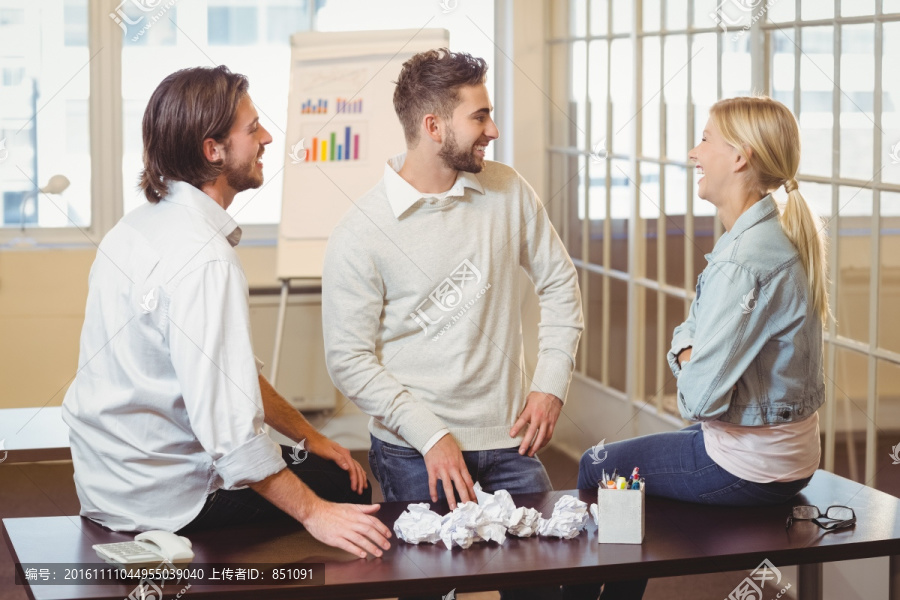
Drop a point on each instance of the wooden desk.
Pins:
(34, 434)
(681, 539)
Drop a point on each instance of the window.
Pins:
(137, 20)
(282, 21)
(12, 16)
(631, 85)
(621, 152)
(236, 25)
(16, 211)
(71, 103)
(254, 39)
(75, 23)
(44, 89)
(13, 76)
(210, 34)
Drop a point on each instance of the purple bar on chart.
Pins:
(356, 147)
(346, 143)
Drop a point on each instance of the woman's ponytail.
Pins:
(804, 229)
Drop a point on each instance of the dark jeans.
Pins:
(675, 465)
(403, 477)
(238, 507)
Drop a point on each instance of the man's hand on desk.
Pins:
(445, 462)
(350, 527)
(328, 449)
(540, 414)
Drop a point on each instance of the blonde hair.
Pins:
(766, 134)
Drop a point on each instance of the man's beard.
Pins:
(241, 176)
(457, 158)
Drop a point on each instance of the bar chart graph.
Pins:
(344, 105)
(318, 107)
(336, 143)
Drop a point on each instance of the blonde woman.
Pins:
(749, 356)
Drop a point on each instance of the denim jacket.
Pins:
(757, 342)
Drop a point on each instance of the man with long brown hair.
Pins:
(166, 412)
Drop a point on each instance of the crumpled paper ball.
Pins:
(459, 525)
(568, 519)
(524, 522)
(418, 524)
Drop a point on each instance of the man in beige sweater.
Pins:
(421, 293)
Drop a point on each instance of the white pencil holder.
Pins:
(620, 516)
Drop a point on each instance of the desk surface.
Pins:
(33, 434)
(680, 539)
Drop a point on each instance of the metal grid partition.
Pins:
(631, 83)
(837, 53)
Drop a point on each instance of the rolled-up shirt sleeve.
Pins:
(211, 349)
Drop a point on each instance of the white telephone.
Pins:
(148, 547)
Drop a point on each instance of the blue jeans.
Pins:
(675, 465)
(403, 477)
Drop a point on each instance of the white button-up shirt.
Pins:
(166, 406)
(402, 195)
